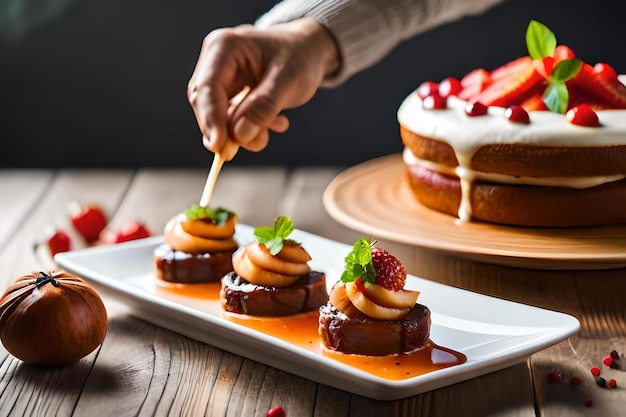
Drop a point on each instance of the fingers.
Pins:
(279, 125)
(283, 66)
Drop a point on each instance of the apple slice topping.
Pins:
(273, 259)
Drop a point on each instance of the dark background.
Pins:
(102, 83)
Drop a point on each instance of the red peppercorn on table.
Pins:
(144, 369)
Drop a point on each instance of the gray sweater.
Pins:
(367, 30)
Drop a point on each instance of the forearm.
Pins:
(367, 30)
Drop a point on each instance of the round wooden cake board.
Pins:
(373, 198)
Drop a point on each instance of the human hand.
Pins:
(282, 65)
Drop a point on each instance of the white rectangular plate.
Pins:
(492, 333)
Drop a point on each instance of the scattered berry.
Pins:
(587, 402)
(131, 231)
(475, 108)
(89, 221)
(608, 361)
(612, 383)
(582, 115)
(426, 89)
(614, 354)
(390, 273)
(517, 114)
(595, 371)
(554, 377)
(276, 412)
(575, 381)
(58, 242)
(435, 102)
(449, 87)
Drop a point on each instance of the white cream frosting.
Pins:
(467, 134)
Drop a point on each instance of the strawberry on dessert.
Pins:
(272, 277)
(538, 141)
(198, 246)
(369, 312)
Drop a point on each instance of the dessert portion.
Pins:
(198, 247)
(272, 277)
(369, 312)
(539, 141)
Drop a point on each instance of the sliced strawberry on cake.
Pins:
(474, 82)
(512, 83)
(599, 85)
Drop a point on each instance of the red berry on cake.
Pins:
(517, 114)
(426, 89)
(435, 102)
(475, 109)
(582, 115)
(449, 87)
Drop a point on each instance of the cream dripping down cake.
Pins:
(539, 141)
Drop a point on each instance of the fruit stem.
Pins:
(43, 279)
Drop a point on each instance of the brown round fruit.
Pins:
(51, 319)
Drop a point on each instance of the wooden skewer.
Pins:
(227, 153)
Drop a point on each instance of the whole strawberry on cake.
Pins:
(539, 141)
(369, 311)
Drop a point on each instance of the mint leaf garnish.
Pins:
(273, 237)
(566, 69)
(541, 43)
(219, 216)
(556, 95)
(540, 40)
(359, 263)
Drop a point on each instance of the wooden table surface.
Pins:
(144, 370)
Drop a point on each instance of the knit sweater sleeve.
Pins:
(367, 30)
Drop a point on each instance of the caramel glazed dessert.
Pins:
(198, 248)
(369, 312)
(540, 141)
(272, 277)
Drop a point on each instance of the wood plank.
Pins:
(26, 389)
(302, 201)
(20, 190)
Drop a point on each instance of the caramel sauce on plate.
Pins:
(301, 330)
